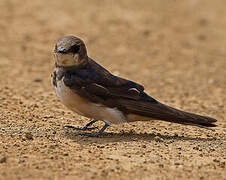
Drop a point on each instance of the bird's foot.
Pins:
(98, 134)
(83, 128)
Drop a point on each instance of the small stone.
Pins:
(222, 164)
(216, 160)
(29, 136)
(65, 154)
(37, 80)
(47, 116)
(3, 159)
(158, 139)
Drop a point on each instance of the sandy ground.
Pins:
(176, 49)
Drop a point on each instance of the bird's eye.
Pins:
(75, 48)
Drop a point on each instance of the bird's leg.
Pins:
(85, 127)
(99, 133)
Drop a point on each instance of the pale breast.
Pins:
(86, 108)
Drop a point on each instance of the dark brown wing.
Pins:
(100, 86)
(97, 81)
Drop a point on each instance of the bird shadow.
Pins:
(133, 136)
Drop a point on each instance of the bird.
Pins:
(90, 90)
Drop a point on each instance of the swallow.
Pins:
(90, 90)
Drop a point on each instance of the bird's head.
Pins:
(70, 51)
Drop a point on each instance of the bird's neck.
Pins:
(84, 64)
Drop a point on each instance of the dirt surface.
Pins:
(176, 49)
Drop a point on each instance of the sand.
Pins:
(176, 49)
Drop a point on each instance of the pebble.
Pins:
(158, 139)
(37, 80)
(29, 136)
(3, 159)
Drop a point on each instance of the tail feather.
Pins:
(177, 116)
(166, 113)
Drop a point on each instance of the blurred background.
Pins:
(176, 49)
(154, 42)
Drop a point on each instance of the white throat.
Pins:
(66, 60)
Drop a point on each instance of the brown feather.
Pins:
(166, 113)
